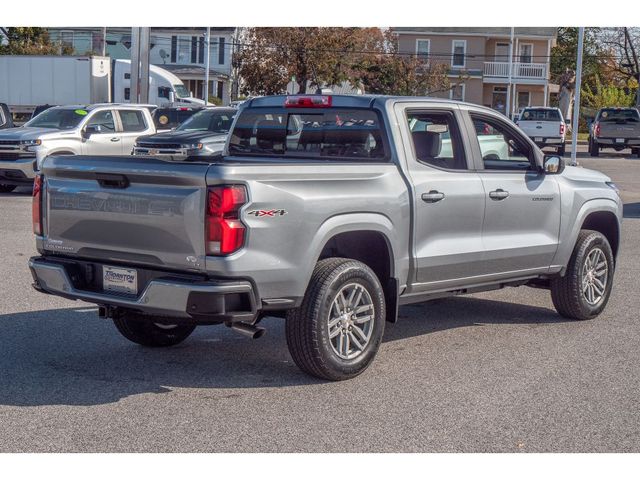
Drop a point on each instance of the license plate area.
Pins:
(619, 140)
(119, 280)
(537, 139)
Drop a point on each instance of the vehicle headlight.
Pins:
(613, 187)
(31, 143)
(192, 146)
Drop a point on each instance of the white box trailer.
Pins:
(28, 81)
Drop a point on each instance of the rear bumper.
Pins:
(548, 141)
(17, 172)
(199, 301)
(612, 142)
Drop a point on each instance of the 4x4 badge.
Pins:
(268, 213)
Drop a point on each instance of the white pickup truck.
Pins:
(545, 126)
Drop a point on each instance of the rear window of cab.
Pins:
(327, 134)
(541, 114)
(619, 115)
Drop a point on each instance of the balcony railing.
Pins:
(519, 70)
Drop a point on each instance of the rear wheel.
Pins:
(561, 150)
(636, 152)
(594, 149)
(6, 188)
(336, 332)
(143, 330)
(584, 290)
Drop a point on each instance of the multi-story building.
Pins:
(478, 60)
(181, 50)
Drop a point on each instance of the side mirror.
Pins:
(90, 130)
(553, 164)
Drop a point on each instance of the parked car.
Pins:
(616, 128)
(545, 126)
(101, 129)
(329, 211)
(201, 135)
(168, 118)
(6, 120)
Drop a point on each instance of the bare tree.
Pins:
(625, 43)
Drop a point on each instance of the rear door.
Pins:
(448, 197)
(133, 123)
(134, 210)
(107, 141)
(522, 215)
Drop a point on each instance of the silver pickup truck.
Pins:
(100, 129)
(328, 211)
(616, 128)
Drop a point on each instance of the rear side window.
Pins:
(622, 115)
(327, 134)
(541, 114)
(132, 121)
(436, 140)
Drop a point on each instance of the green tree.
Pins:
(565, 53)
(599, 96)
(31, 41)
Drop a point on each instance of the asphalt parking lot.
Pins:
(498, 371)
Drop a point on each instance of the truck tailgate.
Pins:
(540, 128)
(133, 210)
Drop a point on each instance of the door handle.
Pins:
(499, 194)
(115, 139)
(433, 196)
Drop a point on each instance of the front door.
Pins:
(107, 140)
(448, 199)
(522, 215)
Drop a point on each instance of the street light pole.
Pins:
(207, 41)
(576, 105)
(104, 41)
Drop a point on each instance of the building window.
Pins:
(221, 50)
(457, 92)
(502, 52)
(174, 49)
(422, 49)
(526, 52)
(220, 91)
(194, 49)
(459, 51)
(524, 100)
(66, 38)
(499, 99)
(184, 49)
(201, 50)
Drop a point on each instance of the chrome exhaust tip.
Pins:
(247, 329)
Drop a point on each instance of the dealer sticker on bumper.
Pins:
(120, 280)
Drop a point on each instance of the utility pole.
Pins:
(104, 41)
(134, 74)
(507, 107)
(145, 38)
(576, 106)
(207, 41)
(139, 84)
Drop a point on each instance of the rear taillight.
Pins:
(596, 130)
(225, 231)
(308, 101)
(562, 129)
(36, 206)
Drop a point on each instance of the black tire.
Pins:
(567, 293)
(561, 150)
(142, 330)
(636, 152)
(7, 188)
(594, 149)
(307, 327)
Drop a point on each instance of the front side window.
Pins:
(104, 120)
(327, 134)
(132, 121)
(436, 141)
(459, 53)
(500, 147)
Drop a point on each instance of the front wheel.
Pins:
(336, 332)
(143, 331)
(6, 188)
(584, 290)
